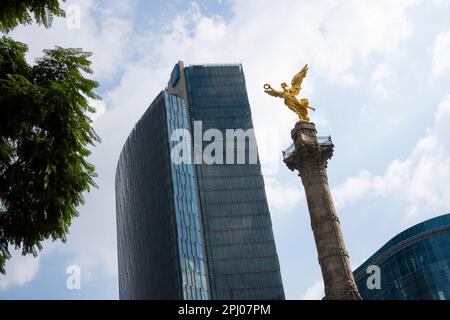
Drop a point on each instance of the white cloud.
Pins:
(281, 197)
(441, 54)
(20, 270)
(381, 73)
(315, 292)
(99, 106)
(420, 181)
(101, 32)
(353, 189)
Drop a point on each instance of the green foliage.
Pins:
(15, 12)
(45, 132)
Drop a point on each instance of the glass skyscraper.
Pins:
(414, 265)
(194, 231)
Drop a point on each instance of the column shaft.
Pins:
(310, 158)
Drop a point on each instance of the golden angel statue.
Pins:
(299, 106)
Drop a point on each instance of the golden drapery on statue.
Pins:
(289, 94)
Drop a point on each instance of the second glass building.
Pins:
(414, 265)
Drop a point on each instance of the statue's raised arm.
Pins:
(274, 93)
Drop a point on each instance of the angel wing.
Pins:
(274, 93)
(298, 79)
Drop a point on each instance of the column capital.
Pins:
(308, 150)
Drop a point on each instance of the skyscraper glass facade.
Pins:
(414, 265)
(194, 231)
(242, 258)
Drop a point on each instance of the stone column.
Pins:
(310, 157)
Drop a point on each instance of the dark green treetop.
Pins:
(45, 132)
(15, 12)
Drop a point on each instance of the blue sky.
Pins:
(379, 77)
